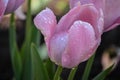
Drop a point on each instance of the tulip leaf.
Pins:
(50, 66)
(35, 36)
(16, 64)
(27, 72)
(39, 71)
(15, 55)
(103, 74)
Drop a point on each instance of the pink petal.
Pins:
(111, 9)
(97, 3)
(46, 22)
(73, 3)
(81, 44)
(87, 13)
(67, 20)
(57, 46)
(115, 24)
(13, 5)
(112, 14)
(3, 5)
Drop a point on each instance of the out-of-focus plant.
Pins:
(7, 6)
(59, 7)
(36, 5)
(26, 61)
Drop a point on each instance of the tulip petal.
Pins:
(73, 3)
(13, 5)
(57, 46)
(112, 14)
(67, 20)
(81, 44)
(111, 10)
(87, 13)
(97, 3)
(46, 22)
(19, 2)
(3, 5)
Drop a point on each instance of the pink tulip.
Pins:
(111, 11)
(76, 36)
(7, 6)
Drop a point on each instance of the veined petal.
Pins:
(18, 3)
(57, 46)
(73, 3)
(112, 14)
(46, 22)
(87, 13)
(97, 3)
(67, 20)
(81, 44)
(111, 11)
(3, 5)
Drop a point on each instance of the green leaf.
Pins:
(35, 36)
(50, 66)
(15, 55)
(17, 64)
(27, 69)
(39, 71)
(103, 74)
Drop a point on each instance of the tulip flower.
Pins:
(7, 6)
(111, 11)
(75, 37)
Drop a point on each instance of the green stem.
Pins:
(15, 56)
(88, 68)
(12, 32)
(72, 73)
(58, 72)
(26, 73)
(26, 45)
(12, 41)
(28, 23)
